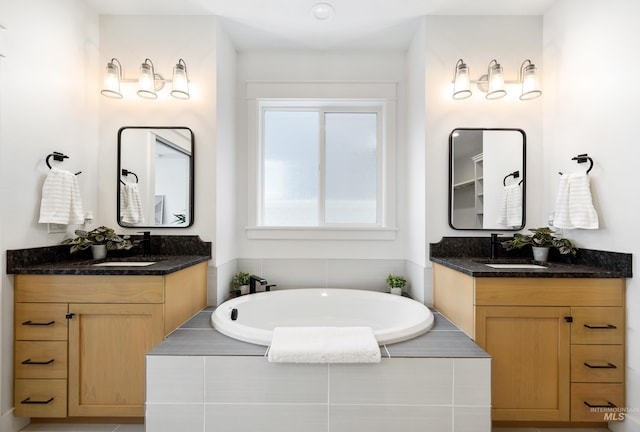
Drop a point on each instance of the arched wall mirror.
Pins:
(487, 179)
(155, 177)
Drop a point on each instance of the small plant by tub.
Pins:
(240, 282)
(396, 284)
(541, 241)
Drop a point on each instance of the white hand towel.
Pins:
(130, 204)
(511, 211)
(61, 202)
(581, 211)
(324, 345)
(574, 206)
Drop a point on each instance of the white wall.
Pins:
(590, 106)
(48, 102)
(477, 40)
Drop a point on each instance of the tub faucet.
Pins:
(252, 282)
(494, 245)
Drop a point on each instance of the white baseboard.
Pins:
(11, 423)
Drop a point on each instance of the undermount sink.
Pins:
(124, 264)
(516, 266)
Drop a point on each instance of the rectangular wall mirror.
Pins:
(487, 179)
(155, 177)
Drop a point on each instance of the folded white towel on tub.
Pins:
(324, 345)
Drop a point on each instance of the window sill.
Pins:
(324, 233)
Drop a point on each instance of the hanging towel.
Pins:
(324, 345)
(130, 204)
(574, 206)
(61, 202)
(511, 210)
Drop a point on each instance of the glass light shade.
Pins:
(461, 81)
(111, 86)
(146, 82)
(496, 81)
(180, 82)
(530, 84)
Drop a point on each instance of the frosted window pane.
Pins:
(290, 195)
(351, 159)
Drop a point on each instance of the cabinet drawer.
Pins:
(41, 359)
(40, 321)
(606, 400)
(40, 398)
(597, 363)
(597, 325)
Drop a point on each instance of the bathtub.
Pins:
(252, 318)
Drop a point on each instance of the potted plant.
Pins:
(541, 241)
(396, 283)
(241, 282)
(100, 240)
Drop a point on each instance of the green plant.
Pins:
(395, 281)
(240, 279)
(100, 236)
(542, 237)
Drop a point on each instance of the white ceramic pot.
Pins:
(99, 251)
(540, 253)
(396, 290)
(244, 289)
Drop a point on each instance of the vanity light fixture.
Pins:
(529, 80)
(180, 81)
(493, 82)
(149, 82)
(112, 79)
(496, 81)
(461, 81)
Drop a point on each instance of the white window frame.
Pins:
(329, 97)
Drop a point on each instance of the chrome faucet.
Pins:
(253, 279)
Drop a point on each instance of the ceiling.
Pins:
(289, 24)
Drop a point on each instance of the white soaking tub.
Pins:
(252, 318)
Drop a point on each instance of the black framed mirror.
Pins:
(155, 187)
(487, 179)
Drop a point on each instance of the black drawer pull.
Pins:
(605, 327)
(28, 401)
(609, 405)
(31, 323)
(607, 366)
(29, 362)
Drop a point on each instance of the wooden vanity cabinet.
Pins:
(557, 344)
(81, 340)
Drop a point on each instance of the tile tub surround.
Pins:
(201, 380)
(463, 254)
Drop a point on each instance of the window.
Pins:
(321, 160)
(320, 167)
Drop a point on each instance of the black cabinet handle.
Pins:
(31, 323)
(69, 315)
(605, 327)
(609, 405)
(28, 401)
(29, 362)
(607, 366)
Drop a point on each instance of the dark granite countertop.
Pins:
(169, 254)
(478, 267)
(162, 265)
(469, 255)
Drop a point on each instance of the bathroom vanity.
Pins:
(556, 334)
(82, 331)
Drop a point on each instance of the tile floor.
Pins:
(59, 427)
